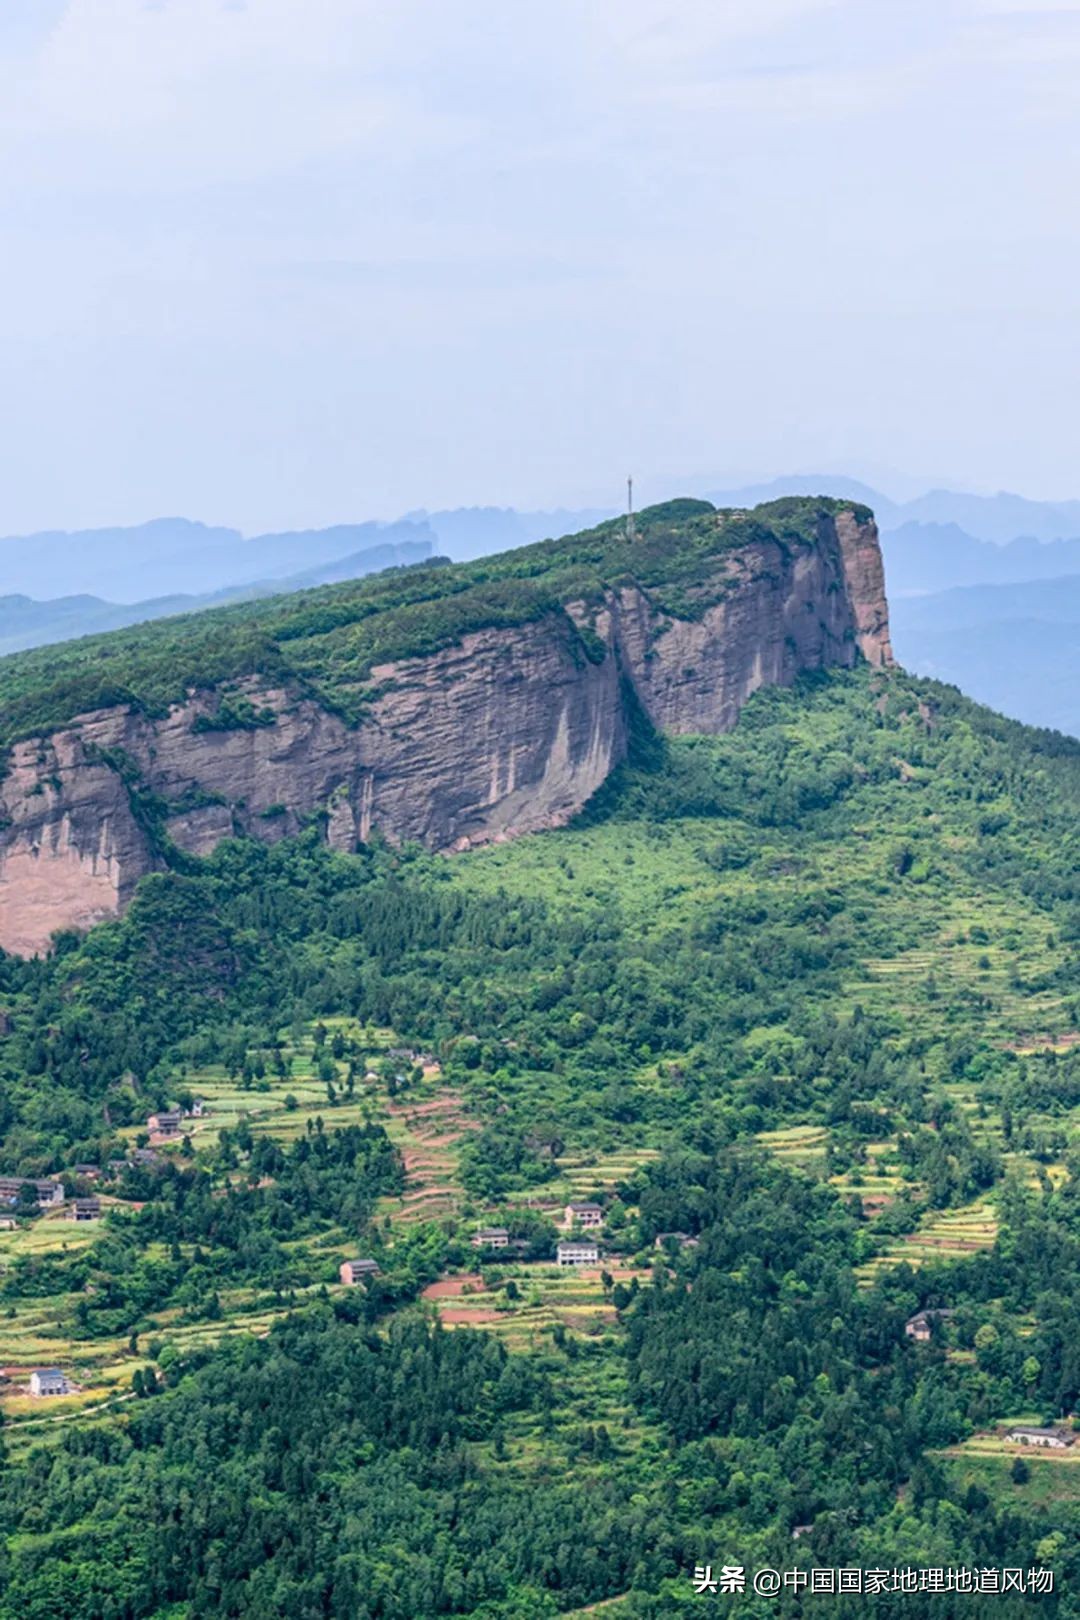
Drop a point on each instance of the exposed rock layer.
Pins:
(507, 732)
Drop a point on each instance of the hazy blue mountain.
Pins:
(174, 555)
(1015, 647)
(26, 623)
(937, 556)
(479, 531)
(999, 518)
(1053, 601)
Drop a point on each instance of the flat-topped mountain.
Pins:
(446, 704)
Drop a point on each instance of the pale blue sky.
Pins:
(276, 262)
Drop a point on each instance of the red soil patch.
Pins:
(462, 1316)
(452, 1287)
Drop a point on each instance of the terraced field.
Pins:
(943, 1234)
(573, 1296)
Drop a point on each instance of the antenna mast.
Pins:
(631, 533)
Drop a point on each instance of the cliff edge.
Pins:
(452, 705)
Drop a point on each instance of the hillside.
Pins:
(451, 705)
(802, 995)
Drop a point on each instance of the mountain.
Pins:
(173, 556)
(786, 1011)
(793, 1007)
(26, 623)
(1014, 647)
(451, 705)
(922, 557)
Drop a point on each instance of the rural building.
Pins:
(88, 1172)
(583, 1215)
(1056, 1439)
(491, 1237)
(143, 1156)
(197, 1109)
(48, 1381)
(920, 1327)
(683, 1239)
(167, 1123)
(356, 1271)
(84, 1209)
(47, 1193)
(8, 1223)
(577, 1252)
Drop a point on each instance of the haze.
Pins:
(277, 265)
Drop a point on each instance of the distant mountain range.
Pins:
(1015, 647)
(174, 555)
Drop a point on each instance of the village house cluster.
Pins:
(582, 1249)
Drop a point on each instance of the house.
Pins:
(577, 1252)
(143, 1156)
(920, 1327)
(48, 1381)
(84, 1209)
(683, 1239)
(197, 1109)
(88, 1172)
(47, 1193)
(356, 1271)
(1056, 1439)
(8, 1223)
(491, 1237)
(166, 1123)
(586, 1215)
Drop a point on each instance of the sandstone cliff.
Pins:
(508, 730)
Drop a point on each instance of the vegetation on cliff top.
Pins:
(327, 641)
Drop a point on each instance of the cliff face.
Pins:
(507, 731)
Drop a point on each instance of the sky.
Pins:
(273, 263)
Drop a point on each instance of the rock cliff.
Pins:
(508, 729)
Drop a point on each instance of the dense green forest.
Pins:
(810, 987)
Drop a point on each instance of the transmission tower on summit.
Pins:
(631, 532)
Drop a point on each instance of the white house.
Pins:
(48, 1381)
(357, 1271)
(1056, 1439)
(577, 1252)
(491, 1237)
